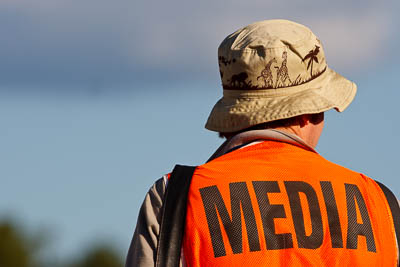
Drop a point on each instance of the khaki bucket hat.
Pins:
(272, 70)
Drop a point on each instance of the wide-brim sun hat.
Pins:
(272, 70)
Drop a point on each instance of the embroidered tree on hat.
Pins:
(312, 56)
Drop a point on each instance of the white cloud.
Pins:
(354, 36)
(99, 38)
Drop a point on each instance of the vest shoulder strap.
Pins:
(395, 209)
(173, 217)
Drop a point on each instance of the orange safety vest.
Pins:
(276, 204)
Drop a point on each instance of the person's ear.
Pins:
(304, 120)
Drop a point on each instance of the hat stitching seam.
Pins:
(232, 124)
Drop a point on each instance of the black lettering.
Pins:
(269, 212)
(354, 229)
(335, 229)
(315, 239)
(240, 200)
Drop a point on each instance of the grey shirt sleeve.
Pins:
(143, 248)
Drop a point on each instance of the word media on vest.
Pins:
(218, 217)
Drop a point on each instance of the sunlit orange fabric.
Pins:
(281, 162)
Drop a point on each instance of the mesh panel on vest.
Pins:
(275, 204)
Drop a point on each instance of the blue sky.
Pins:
(100, 98)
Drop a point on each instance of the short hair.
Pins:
(314, 119)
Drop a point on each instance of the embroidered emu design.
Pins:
(282, 72)
(239, 79)
(266, 74)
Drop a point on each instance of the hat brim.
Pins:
(241, 109)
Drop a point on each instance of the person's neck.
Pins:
(299, 132)
(290, 130)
